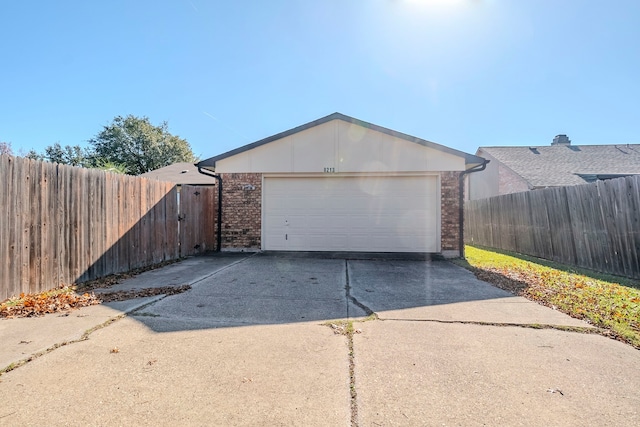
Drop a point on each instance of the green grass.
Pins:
(625, 281)
(605, 301)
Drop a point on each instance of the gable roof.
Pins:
(559, 165)
(183, 173)
(470, 159)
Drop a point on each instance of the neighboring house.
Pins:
(515, 169)
(341, 184)
(184, 173)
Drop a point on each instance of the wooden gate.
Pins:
(197, 225)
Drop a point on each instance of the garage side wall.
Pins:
(449, 208)
(241, 211)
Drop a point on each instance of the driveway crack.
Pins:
(353, 394)
(578, 329)
(348, 330)
(350, 297)
(352, 378)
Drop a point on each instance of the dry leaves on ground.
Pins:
(58, 300)
(142, 293)
(65, 299)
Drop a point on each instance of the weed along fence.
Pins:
(64, 225)
(596, 226)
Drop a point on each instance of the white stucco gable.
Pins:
(341, 144)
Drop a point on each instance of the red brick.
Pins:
(241, 211)
(450, 212)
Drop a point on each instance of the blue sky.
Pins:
(462, 73)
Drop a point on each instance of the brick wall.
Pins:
(449, 208)
(241, 211)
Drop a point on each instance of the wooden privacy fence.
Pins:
(596, 226)
(63, 225)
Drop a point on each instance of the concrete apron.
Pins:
(451, 350)
(24, 338)
(247, 346)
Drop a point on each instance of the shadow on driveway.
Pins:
(278, 289)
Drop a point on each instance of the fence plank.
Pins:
(624, 225)
(5, 180)
(35, 228)
(144, 222)
(110, 204)
(157, 217)
(7, 228)
(172, 225)
(14, 262)
(186, 230)
(540, 218)
(607, 205)
(62, 218)
(46, 197)
(24, 225)
(633, 192)
(120, 231)
(583, 234)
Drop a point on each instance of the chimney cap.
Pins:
(561, 140)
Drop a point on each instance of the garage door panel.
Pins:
(359, 242)
(278, 243)
(364, 214)
(320, 242)
(358, 222)
(334, 242)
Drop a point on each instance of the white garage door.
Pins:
(356, 214)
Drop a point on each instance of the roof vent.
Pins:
(561, 140)
(184, 171)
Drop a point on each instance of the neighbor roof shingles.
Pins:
(558, 165)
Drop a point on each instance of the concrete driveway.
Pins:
(249, 345)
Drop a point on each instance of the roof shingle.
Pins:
(550, 166)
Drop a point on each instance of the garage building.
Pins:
(341, 184)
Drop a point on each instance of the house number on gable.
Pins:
(330, 170)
